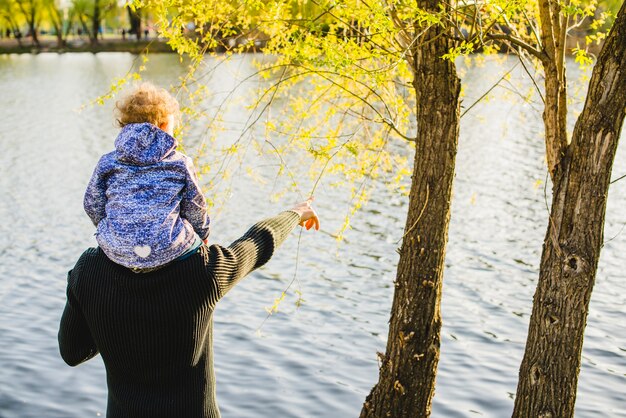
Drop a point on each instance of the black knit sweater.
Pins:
(155, 330)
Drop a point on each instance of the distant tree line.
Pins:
(29, 19)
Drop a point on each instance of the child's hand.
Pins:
(308, 217)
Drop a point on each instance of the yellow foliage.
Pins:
(341, 72)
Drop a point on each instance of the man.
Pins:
(154, 330)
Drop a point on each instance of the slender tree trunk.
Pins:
(553, 31)
(30, 15)
(95, 22)
(32, 26)
(134, 16)
(14, 29)
(549, 371)
(83, 23)
(60, 40)
(407, 373)
(57, 22)
(70, 24)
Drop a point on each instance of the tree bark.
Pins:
(553, 31)
(407, 373)
(548, 375)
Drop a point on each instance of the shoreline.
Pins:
(11, 46)
(156, 45)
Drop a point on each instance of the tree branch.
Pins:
(518, 42)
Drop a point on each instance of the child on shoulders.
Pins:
(144, 197)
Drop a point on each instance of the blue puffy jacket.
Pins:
(145, 199)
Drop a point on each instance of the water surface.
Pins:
(318, 360)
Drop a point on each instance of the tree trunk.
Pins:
(33, 33)
(83, 23)
(60, 40)
(70, 24)
(95, 22)
(57, 22)
(15, 29)
(548, 375)
(134, 16)
(32, 26)
(553, 31)
(407, 373)
(31, 19)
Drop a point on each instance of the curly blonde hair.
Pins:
(146, 103)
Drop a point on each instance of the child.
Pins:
(144, 197)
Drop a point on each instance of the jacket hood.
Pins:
(143, 144)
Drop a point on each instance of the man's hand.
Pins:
(308, 217)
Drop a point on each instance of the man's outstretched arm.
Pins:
(255, 248)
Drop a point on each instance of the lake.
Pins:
(318, 360)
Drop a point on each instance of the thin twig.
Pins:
(488, 91)
(282, 161)
(617, 179)
(521, 59)
(552, 226)
(418, 218)
(330, 158)
(614, 236)
(293, 279)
